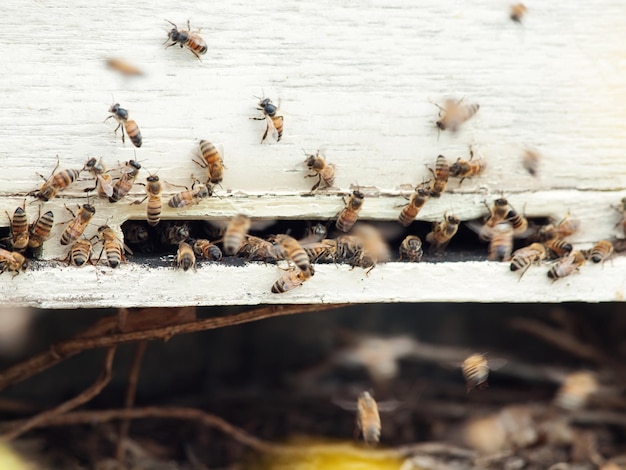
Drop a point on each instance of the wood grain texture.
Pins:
(356, 79)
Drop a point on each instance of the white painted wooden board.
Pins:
(353, 78)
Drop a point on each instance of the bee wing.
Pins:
(497, 363)
(272, 127)
(106, 186)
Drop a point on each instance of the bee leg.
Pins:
(316, 185)
(138, 201)
(196, 54)
(267, 129)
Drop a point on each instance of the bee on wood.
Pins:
(524, 257)
(476, 368)
(517, 12)
(558, 247)
(184, 37)
(600, 252)
(123, 67)
(418, 199)
(103, 179)
(212, 161)
(622, 210)
(288, 248)
(56, 182)
(442, 232)
(576, 390)
(501, 243)
(78, 225)
(190, 196)
(440, 174)
(185, 257)
(132, 129)
(155, 204)
(350, 213)
(273, 121)
(80, 253)
(468, 168)
(291, 279)
(368, 418)
(324, 171)
(531, 161)
(567, 266)
(454, 113)
(12, 261)
(40, 230)
(235, 235)
(411, 249)
(124, 184)
(322, 251)
(174, 234)
(112, 246)
(255, 248)
(19, 229)
(206, 250)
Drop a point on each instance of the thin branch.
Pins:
(44, 417)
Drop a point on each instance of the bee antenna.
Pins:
(173, 24)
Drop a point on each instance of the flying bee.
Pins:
(103, 179)
(123, 67)
(184, 37)
(185, 258)
(497, 214)
(476, 368)
(213, 161)
(524, 257)
(80, 253)
(601, 251)
(78, 225)
(575, 391)
(132, 129)
(190, 196)
(255, 248)
(566, 227)
(174, 234)
(558, 247)
(468, 168)
(454, 113)
(207, 250)
(56, 182)
(112, 246)
(12, 262)
(40, 230)
(501, 243)
(19, 229)
(411, 249)
(418, 199)
(235, 235)
(273, 121)
(368, 418)
(348, 247)
(349, 214)
(288, 248)
(155, 205)
(441, 174)
(531, 161)
(442, 232)
(374, 248)
(567, 265)
(517, 12)
(518, 222)
(291, 279)
(324, 171)
(124, 184)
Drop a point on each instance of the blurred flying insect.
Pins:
(501, 243)
(184, 37)
(132, 129)
(12, 261)
(622, 210)
(442, 232)
(575, 391)
(454, 113)
(567, 226)
(77, 226)
(517, 12)
(411, 249)
(55, 183)
(524, 257)
(123, 67)
(324, 171)
(374, 248)
(40, 230)
(440, 175)
(291, 279)
(368, 418)
(531, 159)
(410, 211)
(213, 161)
(79, 253)
(18, 226)
(235, 235)
(273, 120)
(185, 257)
(350, 213)
(468, 168)
(567, 265)
(103, 179)
(476, 368)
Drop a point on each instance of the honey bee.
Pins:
(454, 113)
(567, 266)
(123, 123)
(566, 227)
(153, 209)
(288, 248)
(315, 234)
(291, 279)
(418, 199)
(517, 12)
(123, 67)
(411, 249)
(111, 245)
(475, 371)
(324, 171)
(322, 251)
(207, 250)
(530, 161)
(348, 247)
(56, 182)
(497, 214)
(468, 168)
(601, 251)
(524, 257)
(12, 262)
(213, 161)
(374, 248)
(441, 174)
(518, 222)
(501, 243)
(576, 390)
(80, 253)
(185, 257)
(622, 210)
(235, 234)
(78, 225)
(349, 214)
(124, 184)
(442, 232)
(174, 233)
(558, 247)
(273, 121)
(136, 233)
(19, 229)
(368, 418)
(103, 179)
(40, 230)
(186, 38)
(190, 196)
(255, 248)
